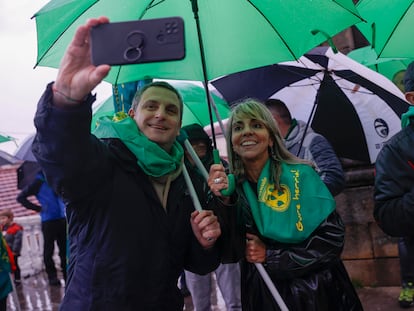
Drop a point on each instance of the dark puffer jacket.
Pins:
(394, 180)
(126, 251)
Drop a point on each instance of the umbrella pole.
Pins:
(191, 189)
(315, 104)
(194, 6)
(272, 288)
(216, 112)
(196, 159)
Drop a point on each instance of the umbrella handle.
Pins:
(231, 180)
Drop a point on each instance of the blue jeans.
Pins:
(228, 281)
(406, 253)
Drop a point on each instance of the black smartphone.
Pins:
(141, 41)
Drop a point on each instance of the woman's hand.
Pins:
(255, 249)
(217, 179)
(206, 227)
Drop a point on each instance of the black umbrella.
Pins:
(355, 108)
(29, 168)
(24, 152)
(26, 173)
(6, 158)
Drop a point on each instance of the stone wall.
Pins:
(370, 256)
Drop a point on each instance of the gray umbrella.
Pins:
(6, 158)
(24, 152)
(28, 170)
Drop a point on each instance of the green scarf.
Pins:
(152, 159)
(405, 117)
(293, 213)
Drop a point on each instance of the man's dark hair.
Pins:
(280, 108)
(163, 84)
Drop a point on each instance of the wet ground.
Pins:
(35, 294)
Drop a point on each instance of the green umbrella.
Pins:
(386, 66)
(236, 34)
(389, 26)
(6, 138)
(195, 105)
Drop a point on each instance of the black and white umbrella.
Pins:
(354, 107)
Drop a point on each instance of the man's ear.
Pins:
(179, 128)
(131, 112)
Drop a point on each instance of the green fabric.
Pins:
(4, 139)
(389, 24)
(405, 117)
(153, 160)
(291, 215)
(5, 270)
(229, 28)
(386, 66)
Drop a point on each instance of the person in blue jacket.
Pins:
(53, 218)
(131, 220)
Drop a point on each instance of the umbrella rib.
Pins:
(353, 90)
(353, 13)
(274, 29)
(393, 30)
(150, 6)
(61, 34)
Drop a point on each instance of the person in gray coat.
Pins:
(315, 147)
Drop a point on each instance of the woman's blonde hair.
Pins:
(253, 109)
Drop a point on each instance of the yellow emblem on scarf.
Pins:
(277, 200)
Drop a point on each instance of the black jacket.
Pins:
(126, 251)
(394, 184)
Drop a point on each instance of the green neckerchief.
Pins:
(251, 196)
(291, 214)
(153, 160)
(405, 117)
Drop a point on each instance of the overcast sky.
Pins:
(20, 85)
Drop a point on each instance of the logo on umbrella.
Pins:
(381, 127)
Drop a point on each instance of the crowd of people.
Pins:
(133, 231)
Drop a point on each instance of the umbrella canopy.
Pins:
(6, 158)
(386, 66)
(389, 26)
(5, 138)
(26, 173)
(355, 108)
(29, 168)
(229, 30)
(195, 105)
(24, 152)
